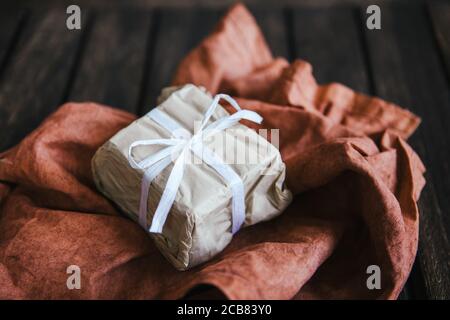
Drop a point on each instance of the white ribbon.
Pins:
(179, 145)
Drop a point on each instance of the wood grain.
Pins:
(34, 81)
(440, 16)
(273, 24)
(111, 69)
(11, 23)
(178, 31)
(330, 40)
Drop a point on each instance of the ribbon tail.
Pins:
(238, 206)
(168, 196)
(149, 175)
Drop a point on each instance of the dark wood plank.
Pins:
(10, 23)
(34, 81)
(440, 15)
(407, 70)
(273, 25)
(111, 66)
(414, 288)
(178, 31)
(330, 40)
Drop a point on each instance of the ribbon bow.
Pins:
(179, 145)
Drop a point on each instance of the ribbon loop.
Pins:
(176, 150)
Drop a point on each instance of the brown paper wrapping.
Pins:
(199, 224)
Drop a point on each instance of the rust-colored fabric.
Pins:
(355, 179)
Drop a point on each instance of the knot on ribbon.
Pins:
(182, 142)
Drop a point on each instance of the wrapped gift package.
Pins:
(199, 224)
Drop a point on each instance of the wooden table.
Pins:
(124, 57)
